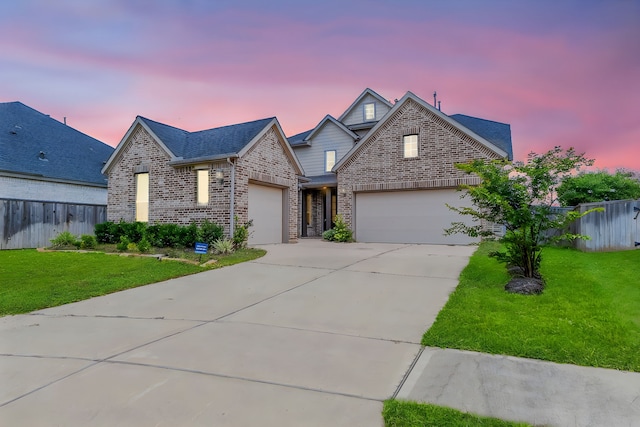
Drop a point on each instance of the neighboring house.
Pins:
(388, 169)
(50, 178)
(43, 159)
(162, 174)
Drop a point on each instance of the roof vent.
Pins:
(42, 155)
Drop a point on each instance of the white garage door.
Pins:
(408, 217)
(265, 209)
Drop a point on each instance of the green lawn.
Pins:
(589, 313)
(31, 280)
(398, 413)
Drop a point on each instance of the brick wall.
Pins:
(379, 165)
(267, 163)
(172, 190)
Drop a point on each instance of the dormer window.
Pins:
(369, 112)
(329, 160)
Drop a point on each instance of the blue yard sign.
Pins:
(201, 248)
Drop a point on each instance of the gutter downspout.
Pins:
(232, 198)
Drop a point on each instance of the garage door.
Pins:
(265, 209)
(408, 217)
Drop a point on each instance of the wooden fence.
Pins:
(615, 229)
(32, 224)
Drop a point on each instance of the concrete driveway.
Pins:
(312, 334)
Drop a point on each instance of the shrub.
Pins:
(329, 235)
(188, 235)
(87, 241)
(210, 232)
(64, 239)
(223, 246)
(134, 231)
(132, 247)
(339, 233)
(107, 232)
(123, 245)
(241, 234)
(164, 235)
(144, 245)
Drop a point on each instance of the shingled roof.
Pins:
(32, 143)
(497, 133)
(211, 142)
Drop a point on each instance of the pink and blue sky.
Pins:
(561, 72)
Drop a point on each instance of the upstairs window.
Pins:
(369, 112)
(410, 146)
(202, 186)
(142, 197)
(329, 160)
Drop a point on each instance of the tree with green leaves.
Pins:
(520, 196)
(599, 186)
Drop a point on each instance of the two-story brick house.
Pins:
(159, 173)
(388, 169)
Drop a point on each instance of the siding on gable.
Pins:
(42, 190)
(356, 115)
(330, 137)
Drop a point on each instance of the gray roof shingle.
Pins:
(34, 143)
(223, 140)
(496, 133)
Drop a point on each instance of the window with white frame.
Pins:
(142, 197)
(369, 111)
(202, 186)
(410, 146)
(329, 160)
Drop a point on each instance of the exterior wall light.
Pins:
(220, 176)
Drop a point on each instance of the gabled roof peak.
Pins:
(364, 93)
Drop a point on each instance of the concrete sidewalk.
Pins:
(516, 389)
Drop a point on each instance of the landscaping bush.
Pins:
(144, 245)
(223, 246)
(339, 233)
(188, 235)
(210, 232)
(87, 241)
(161, 235)
(241, 234)
(329, 235)
(64, 239)
(123, 245)
(107, 232)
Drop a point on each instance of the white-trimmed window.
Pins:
(410, 146)
(202, 186)
(329, 160)
(142, 197)
(369, 111)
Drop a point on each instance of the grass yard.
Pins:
(398, 413)
(31, 280)
(589, 313)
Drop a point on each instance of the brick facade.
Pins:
(172, 189)
(379, 163)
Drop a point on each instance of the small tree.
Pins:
(520, 196)
(598, 187)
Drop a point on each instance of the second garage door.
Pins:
(265, 209)
(408, 217)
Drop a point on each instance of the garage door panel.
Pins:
(265, 209)
(408, 217)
